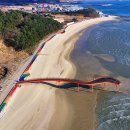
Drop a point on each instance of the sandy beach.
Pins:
(44, 107)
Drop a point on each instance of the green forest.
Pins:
(24, 30)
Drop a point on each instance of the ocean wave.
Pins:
(107, 5)
(115, 113)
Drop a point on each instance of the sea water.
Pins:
(113, 111)
(120, 8)
(111, 39)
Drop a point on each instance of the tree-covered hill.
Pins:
(88, 12)
(23, 30)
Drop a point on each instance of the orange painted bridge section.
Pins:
(92, 83)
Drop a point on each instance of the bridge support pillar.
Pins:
(78, 87)
(117, 88)
(92, 88)
(58, 83)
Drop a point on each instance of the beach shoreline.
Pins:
(67, 95)
(53, 61)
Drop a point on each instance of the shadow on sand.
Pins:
(74, 87)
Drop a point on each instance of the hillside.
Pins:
(20, 33)
(23, 30)
(88, 12)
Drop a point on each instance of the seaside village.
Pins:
(43, 8)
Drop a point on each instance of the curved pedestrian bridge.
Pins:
(92, 83)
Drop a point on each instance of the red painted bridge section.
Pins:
(92, 83)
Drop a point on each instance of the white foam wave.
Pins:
(107, 5)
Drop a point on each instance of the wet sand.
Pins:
(74, 110)
(84, 104)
